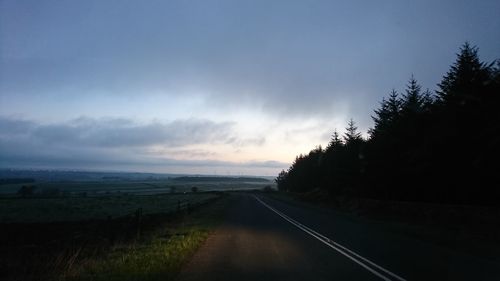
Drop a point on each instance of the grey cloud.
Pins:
(118, 143)
(266, 164)
(217, 163)
(10, 127)
(107, 160)
(122, 132)
(108, 132)
(187, 153)
(238, 142)
(290, 59)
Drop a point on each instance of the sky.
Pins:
(213, 87)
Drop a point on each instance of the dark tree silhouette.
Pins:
(423, 147)
(335, 142)
(386, 116)
(466, 77)
(413, 99)
(351, 135)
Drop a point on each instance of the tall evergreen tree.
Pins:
(336, 141)
(394, 104)
(412, 99)
(381, 119)
(466, 76)
(427, 99)
(352, 135)
(386, 115)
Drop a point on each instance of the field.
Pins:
(91, 208)
(95, 226)
(103, 197)
(101, 226)
(132, 237)
(99, 184)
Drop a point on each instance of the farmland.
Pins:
(99, 183)
(90, 208)
(84, 226)
(72, 238)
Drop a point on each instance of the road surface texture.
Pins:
(268, 239)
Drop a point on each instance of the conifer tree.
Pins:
(386, 115)
(394, 105)
(466, 76)
(412, 99)
(336, 141)
(352, 135)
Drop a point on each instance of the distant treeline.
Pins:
(440, 146)
(220, 179)
(16, 180)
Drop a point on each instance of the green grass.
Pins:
(158, 256)
(96, 188)
(87, 186)
(157, 259)
(86, 208)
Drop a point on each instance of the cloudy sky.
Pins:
(212, 87)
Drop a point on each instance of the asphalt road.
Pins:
(266, 239)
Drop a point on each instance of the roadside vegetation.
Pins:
(158, 258)
(150, 243)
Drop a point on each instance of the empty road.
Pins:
(266, 239)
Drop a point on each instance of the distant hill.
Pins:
(59, 175)
(77, 176)
(219, 179)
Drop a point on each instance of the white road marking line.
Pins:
(336, 246)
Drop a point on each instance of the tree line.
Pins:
(440, 146)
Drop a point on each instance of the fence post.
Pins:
(138, 216)
(110, 232)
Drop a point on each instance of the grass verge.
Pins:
(159, 258)
(159, 255)
(146, 247)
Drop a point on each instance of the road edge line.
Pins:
(336, 246)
